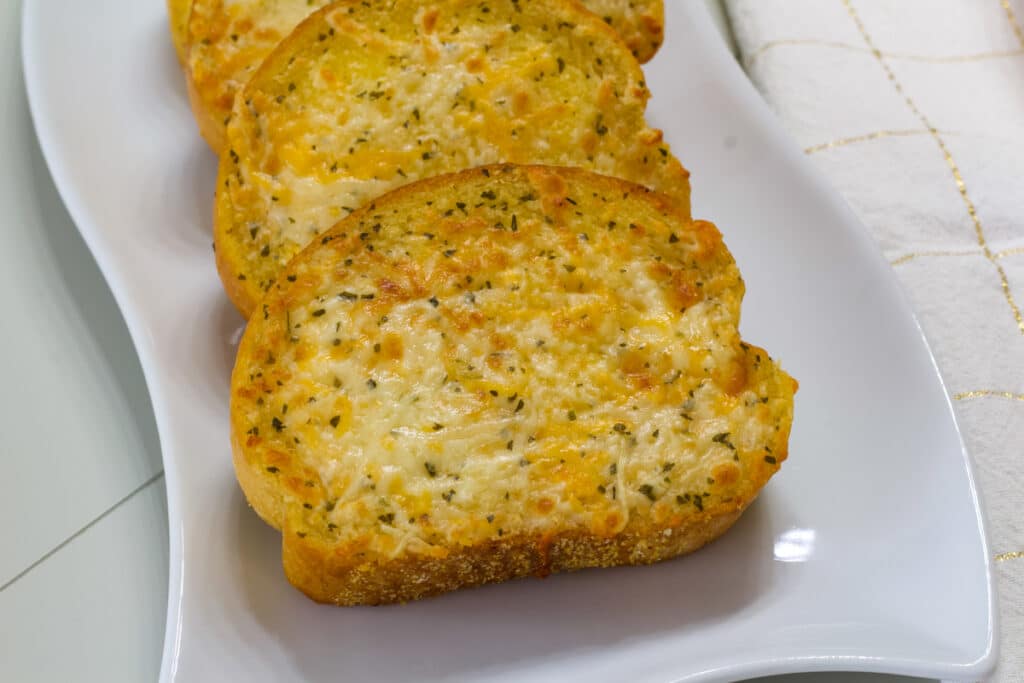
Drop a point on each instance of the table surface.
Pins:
(84, 567)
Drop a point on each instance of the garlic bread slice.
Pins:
(231, 39)
(365, 96)
(504, 372)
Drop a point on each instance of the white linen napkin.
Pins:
(915, 111)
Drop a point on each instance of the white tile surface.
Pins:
(94, 611)
(79, 436)
(77, 428)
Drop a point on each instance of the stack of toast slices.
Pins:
(486, 337)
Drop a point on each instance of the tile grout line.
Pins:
(81, 531)
(953, 167)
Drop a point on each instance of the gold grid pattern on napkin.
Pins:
(957, 239)
(748, 60)
(953, 166)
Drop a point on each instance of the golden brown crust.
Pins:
(287, 490)
(177, 17)
(226, 251)
(641, 23)
(339, 579)
(210, 126)
(262, 492)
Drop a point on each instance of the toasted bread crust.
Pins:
(227, 43)
(226, 255)
(280, 143)
(177, 17)
(330, 577)
(347, 566)
(641, 23)
(210, 125)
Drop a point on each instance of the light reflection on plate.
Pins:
(795, 545)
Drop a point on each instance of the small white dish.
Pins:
(867, 552)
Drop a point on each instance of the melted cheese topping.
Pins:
(641, 23)
(360, 101)
(231, 38)
(508, 353)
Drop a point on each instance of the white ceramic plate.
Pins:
(867, 551)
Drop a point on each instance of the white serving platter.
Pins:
(867, 552)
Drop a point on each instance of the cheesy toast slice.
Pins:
(367, 95)
(229, 40)
(504, 372)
